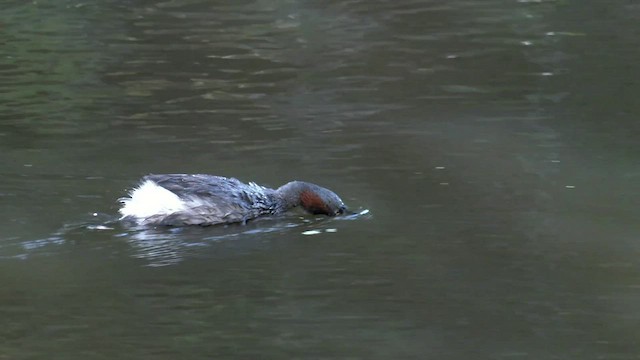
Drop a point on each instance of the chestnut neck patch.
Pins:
(313, 203)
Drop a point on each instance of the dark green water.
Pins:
(493, 143)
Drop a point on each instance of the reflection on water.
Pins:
(162, 246)
(493, 141)
(167, 246)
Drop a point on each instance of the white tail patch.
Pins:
(150, 199)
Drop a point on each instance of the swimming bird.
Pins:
(200, 199)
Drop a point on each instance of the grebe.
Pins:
(200, 199)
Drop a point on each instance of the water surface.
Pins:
(493, 144)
